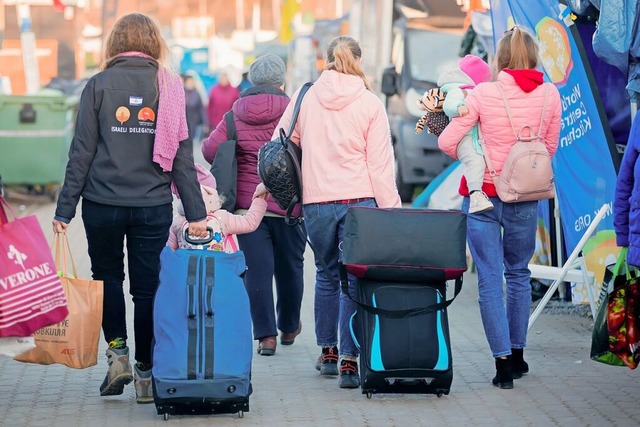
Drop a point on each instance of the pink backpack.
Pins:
(527, 173)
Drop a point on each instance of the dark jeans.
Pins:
(146, 230)
(274, 249)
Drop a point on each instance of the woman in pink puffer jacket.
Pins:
(502, 240)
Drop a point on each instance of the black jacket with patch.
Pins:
(111, 154)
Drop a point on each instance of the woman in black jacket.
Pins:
(130, 142)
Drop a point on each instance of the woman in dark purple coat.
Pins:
(274, 249)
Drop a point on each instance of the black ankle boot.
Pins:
(504, 373)
(520, 367)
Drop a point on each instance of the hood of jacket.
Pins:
(336, 90)
(260, 105)
(455, 75)
(528, 80)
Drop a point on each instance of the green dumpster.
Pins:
(35, 134)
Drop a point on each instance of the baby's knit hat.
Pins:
(205, 177)
(474, 67)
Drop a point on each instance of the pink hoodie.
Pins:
(486, 107)
(344, 134)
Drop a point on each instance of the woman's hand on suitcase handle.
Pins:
(198, 229)
(59, 226)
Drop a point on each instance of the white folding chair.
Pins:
(568, 271)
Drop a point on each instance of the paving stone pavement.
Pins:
(564, 387)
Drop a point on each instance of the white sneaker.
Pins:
(479, 202)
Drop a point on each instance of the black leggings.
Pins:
(146, 230)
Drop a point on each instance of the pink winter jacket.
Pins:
(486, 106)
(346, 146)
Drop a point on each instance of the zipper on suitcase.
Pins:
(200, 343)
(200, 307)
(208, 317)
(192, 321)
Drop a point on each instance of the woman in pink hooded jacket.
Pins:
(347, 160)
(502, 240)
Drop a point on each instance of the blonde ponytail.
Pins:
(343, 56)
(517, 49)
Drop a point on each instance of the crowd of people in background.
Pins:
(125, 181)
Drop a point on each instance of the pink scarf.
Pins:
(171, 125)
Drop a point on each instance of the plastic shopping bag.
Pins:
(74, 341)
(615, 339)
(31, 295)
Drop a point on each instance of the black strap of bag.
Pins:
(395, 314)
(296, 108)
(295, 154)
(392, 314)
(231, 125)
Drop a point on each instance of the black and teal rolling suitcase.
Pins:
(203, 344)
(402, 260)
(404, 348)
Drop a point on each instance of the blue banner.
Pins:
(583, 166)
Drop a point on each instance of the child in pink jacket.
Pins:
(224, 225)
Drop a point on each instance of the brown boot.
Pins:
(267, 346)
(289, 338)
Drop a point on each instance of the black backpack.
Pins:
(279, 162)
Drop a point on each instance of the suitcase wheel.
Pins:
(369, 394)
(240, 414)
(166, 416)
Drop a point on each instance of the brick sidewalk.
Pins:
(564, 387)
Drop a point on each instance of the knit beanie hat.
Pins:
(474, 67)
(267, 70)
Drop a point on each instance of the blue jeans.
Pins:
(332, 309)
(502, 242)
(146, 230)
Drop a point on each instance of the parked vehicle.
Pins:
(421, 49)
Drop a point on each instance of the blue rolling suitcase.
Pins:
(202, 324)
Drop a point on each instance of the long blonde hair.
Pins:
(343, 56)
(517, 49)
(135, 32)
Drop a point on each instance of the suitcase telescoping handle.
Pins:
(195, 241)
(395, 314)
